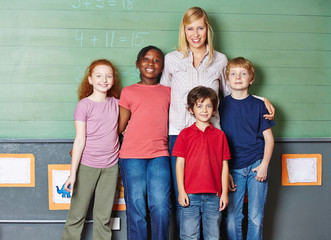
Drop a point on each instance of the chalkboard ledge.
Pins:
(36, 140)
(67, 140)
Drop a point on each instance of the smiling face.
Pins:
(150, 66)
(102, 78)
(196, 34)
(203, 110)
(239, 78)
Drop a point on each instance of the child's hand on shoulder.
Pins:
(232, 186)
(261, 172)
(183, 199)
(224, 201)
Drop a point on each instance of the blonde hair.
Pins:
(243, 63)
(86, 89)
(191, 15)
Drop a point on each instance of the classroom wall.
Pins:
(292, 212)
(25, 211)
(46, 45)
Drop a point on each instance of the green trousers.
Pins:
(102, 183)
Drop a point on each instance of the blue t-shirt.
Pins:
(243, 124)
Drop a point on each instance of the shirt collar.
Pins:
(190, 54)
(195, 128)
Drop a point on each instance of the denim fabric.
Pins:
(257, 194)
(147, 182)
(172, 139)
(203, 207)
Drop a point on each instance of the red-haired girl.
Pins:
(94, 164)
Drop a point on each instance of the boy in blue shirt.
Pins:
(251, 145)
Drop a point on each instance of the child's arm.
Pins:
(182, 196)
(224, 200)
(77, 151)
(123, 119)
(262, 169)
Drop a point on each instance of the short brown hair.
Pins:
(202, 93)
(86, 89)
(241, 62)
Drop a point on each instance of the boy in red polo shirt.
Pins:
(202, 169)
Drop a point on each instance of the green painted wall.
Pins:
(46, 45)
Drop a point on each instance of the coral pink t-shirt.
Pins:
(101, 118)
(146, 135)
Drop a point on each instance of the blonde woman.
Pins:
(194, 63)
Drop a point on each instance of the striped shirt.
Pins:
(181, 76)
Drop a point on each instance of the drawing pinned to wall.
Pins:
(59, 199)
(119, 203)
(301, 169)
(17, 170)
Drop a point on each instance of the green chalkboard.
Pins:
(45, 47)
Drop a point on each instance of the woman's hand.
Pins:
(270, 109)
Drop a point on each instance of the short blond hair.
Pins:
(191, 15)
(241, 62)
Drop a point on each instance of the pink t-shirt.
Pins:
(147, 133)
(101, 118)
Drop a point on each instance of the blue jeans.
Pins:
(171, 141)
(205, 207)
(147, 182)
(257, 195)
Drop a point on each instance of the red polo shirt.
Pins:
(203, 153)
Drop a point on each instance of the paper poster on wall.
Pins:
(119, 203)
(301, 169)
(17, 170)
(59, 199)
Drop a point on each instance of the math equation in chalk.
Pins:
(110, 39)
(102, 4)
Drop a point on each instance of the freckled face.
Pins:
(102, 78)
(196, 34)
(239, 78)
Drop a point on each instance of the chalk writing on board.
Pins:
(78, 74)
(113, 39)
(131, 74)
(102, 4)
